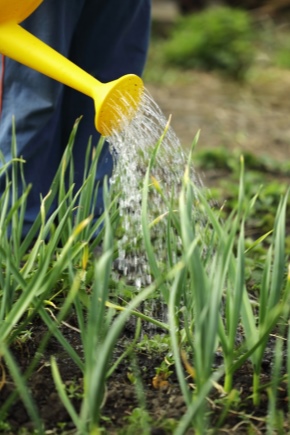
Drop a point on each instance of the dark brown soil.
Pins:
(163, 402)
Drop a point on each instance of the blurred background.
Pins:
(223, 67)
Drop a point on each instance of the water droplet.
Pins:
(134, 147)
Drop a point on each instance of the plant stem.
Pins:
(256, 385)
(228, 384)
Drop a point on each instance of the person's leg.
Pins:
(35, 102)
(111, 40)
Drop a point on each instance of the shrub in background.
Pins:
(281, 58)
(218, 38)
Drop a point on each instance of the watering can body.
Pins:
(114, 101)
(16, 11)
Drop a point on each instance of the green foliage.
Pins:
(282, 56)
(264, 176)
(274, 40)
(138, 421)
(219, 38)
(204, 289)
(157, 343)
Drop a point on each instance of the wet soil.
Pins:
(163, 400)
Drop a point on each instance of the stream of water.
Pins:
(134, 146)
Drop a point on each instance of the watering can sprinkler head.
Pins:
(115, 102)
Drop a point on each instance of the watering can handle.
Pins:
(20, 45)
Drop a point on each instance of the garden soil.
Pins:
(162, 398)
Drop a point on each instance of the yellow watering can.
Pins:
(114, 101)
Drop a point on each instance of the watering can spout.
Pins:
(115, 101)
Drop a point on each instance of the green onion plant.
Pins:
(63, 269)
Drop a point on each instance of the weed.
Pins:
(139, 421)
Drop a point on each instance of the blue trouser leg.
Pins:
(107, 39)
(119, 46)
